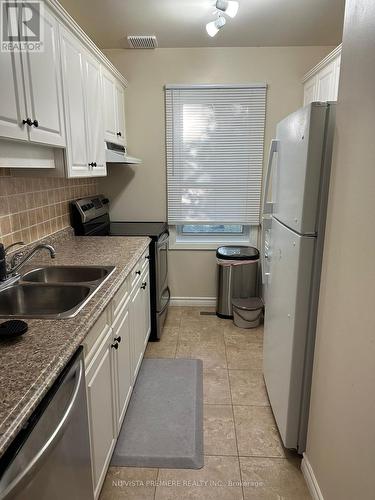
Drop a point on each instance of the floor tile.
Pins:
(216, 386)
(195, 312)
(256, 432)
(244, 356)
(197, 331)
(248, 388)
(219, 479)
(170, 333)
(219, 434)
(272, 479)
(173, 318)
(212, 355)
(129, 482)
(166, 349)
(235, 335)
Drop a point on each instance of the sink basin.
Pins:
(68, 274)
(53, 301)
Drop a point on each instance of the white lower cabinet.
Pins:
(123, 372)
(101, 409)
(114, 350)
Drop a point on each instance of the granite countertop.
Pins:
(31, 363)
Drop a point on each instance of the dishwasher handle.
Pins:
(54, 438)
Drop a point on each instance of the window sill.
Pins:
(199, 243)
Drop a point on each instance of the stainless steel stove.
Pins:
(90, 217)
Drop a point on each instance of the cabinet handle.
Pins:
(117, 339)
(92, 164)
(35, 123)
(27, 122)
(138, 272)
(144, 284)
(147, 257)
(118, 134)
(114, 346)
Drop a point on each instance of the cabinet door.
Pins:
(123, 365)
(145, 310)
(120, 114)
(109, 99)
(74, 105)
(94, 117)
(101, 409)
(310, 89)
(12, 97)
(43, 88)
(326, 83)
(337, 78)
(137, 328)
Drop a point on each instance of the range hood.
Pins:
(114, 153)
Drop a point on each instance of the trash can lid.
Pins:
(237, 253)
(249, 304)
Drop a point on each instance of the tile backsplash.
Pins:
(34, 207)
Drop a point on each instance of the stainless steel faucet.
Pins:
(19, 259)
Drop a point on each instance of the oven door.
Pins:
(161, 271)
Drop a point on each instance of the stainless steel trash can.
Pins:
(237, 270)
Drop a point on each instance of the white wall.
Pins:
(139, 193)
(341, 435)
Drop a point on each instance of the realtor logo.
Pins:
(21, 26)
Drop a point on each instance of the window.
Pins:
(212, 229)
(215, 136)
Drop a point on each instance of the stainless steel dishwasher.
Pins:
(50, 458)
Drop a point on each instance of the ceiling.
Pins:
(181, 23)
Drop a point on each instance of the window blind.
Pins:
(214, 139)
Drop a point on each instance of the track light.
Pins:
(230, 7)
(213, 27)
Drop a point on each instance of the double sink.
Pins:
(56, 292)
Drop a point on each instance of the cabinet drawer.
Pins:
(139, 268)
(96, 335)
(122, 295)
(145, 259)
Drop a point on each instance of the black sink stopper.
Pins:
(11, 329)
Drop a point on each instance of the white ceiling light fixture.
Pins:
(229, 7)
(213, 27)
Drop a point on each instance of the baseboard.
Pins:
(193, 301)
(312, 483)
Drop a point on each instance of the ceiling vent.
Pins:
(142, 42)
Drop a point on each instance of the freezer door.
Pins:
(300, 139)
(286, 326)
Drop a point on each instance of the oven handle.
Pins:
(163, 239)
(167, 304)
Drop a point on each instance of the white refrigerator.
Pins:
(294, 214)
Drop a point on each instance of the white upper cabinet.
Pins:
(322, 82)
(114, 109)
(83, 109)
(74, 105)
(12, 97)
(326, 83)
(120, 113)
(67, 96)
(94, 117)
(31, 95)
(43, 88)
(310, 90)
(109, 99)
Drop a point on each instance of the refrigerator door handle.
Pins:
(264, 257)
(268, 205)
